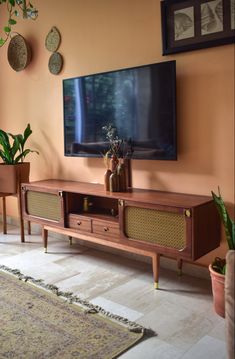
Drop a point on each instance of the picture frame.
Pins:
(196, 24)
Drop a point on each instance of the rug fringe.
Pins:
(71, 298)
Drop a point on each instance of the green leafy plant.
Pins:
(219, 264)
(14, 8)
(12, 149)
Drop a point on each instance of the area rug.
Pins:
(40, 321)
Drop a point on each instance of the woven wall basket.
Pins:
(55, 63)
(19, 53)
(53, 39)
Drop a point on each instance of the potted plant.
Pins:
(13, 8)
(218, 267)
(14, 170)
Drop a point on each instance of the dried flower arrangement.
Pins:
(114, 159)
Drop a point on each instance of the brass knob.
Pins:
(79, 223)
(106, 229)
(121, 202)
(187, 213)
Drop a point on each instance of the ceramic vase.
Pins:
(113, 163)
(113, 182)
(121, 170)
(107, 175)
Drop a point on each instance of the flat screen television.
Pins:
(139, 102)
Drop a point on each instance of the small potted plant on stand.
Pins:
(218, 267)
(14, 170)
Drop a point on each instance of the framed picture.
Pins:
(196, 24)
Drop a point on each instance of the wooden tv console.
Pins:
(145, 222)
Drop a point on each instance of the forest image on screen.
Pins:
(139, 103)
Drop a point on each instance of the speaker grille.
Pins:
(44, 205)
(149, 225)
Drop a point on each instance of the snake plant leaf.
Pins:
(6, 146)
(23, 154)
(27, 133)
(10, 149)
(228, 223)
(15, 147)
(4, 138)
(3, 156)
(19, 139)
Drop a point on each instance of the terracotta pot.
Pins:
(230, 303)
(12, 175)
(217, 281)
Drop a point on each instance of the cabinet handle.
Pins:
(187, 213)
(79, 223)
(106, 229)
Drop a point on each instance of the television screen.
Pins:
(139, 103)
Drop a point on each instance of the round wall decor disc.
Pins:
(53, 38)
(18, 53)
(55, 63)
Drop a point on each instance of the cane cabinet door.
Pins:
(43, 206)
(168, 230)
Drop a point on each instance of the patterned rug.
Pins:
(40, 321)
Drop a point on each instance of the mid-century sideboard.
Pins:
(146, 222)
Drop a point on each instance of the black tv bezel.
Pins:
(174, 121)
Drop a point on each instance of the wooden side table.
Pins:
(4, 215)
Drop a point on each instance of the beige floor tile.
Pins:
(181, 312)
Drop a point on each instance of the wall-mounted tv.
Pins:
(139, 102)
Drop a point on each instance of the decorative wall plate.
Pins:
(55, 63)
(19, 53)
(53, 39)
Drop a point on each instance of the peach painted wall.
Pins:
(105, 35)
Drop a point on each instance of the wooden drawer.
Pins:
(79, 222)
(109, 229)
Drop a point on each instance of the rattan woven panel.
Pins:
(44, 205)
(163, 228)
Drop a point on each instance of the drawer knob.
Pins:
(79, 223)
(106, 229)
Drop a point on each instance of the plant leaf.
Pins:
(7, 29)
(12, 22)
(228, 223)
(2, 41)
(24, 154)
(3, 157)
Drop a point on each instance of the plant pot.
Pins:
(217, 281)
(12, 175)
(230, 303)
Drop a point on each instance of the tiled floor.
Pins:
(180, 311)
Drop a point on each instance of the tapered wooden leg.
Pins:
(156, 265)
(179, 266)
(29, 227)
(20, 215)
(4, 215)
(45, 238)
(70, 240)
